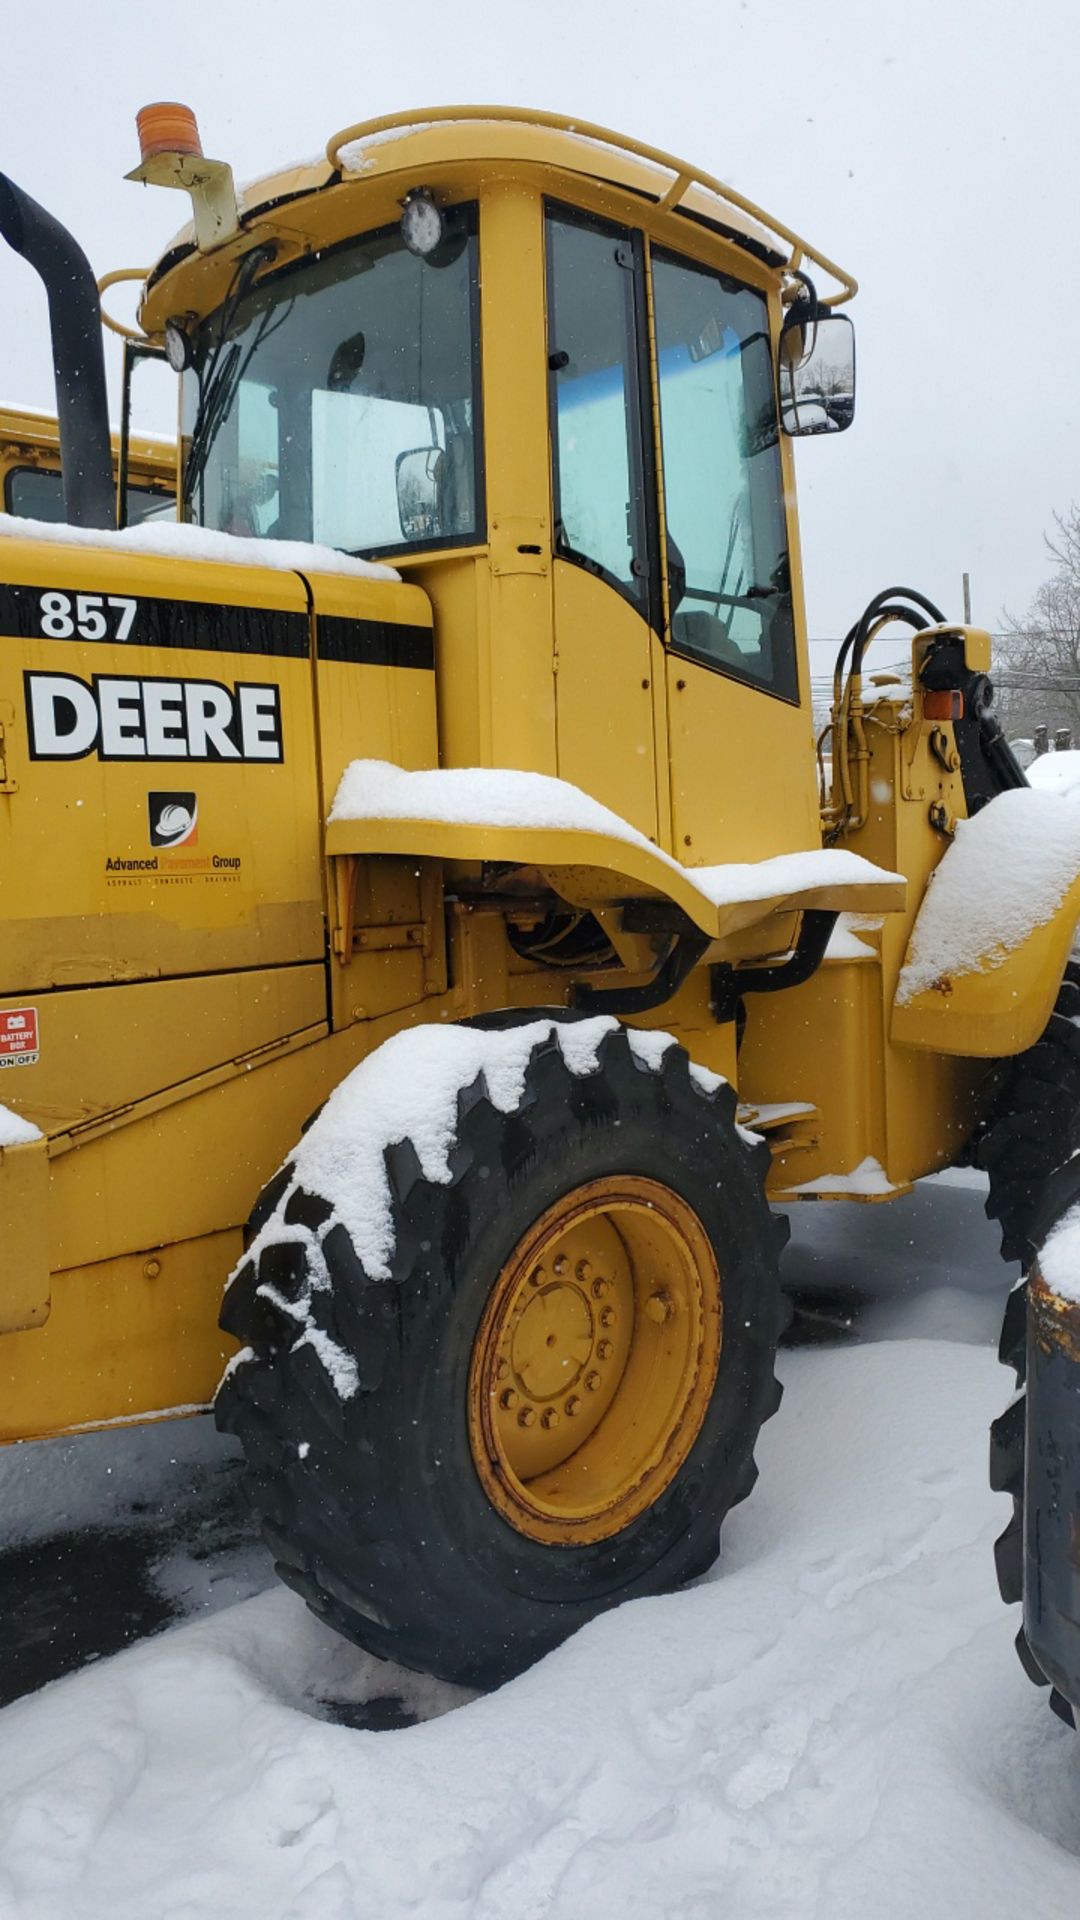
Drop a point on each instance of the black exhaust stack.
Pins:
(78, 356)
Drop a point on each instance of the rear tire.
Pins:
(1036, 1112)
(1027, 1146)
(378, 1506)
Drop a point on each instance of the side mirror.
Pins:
(817, 373)
(419, 473)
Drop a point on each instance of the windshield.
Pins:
(308, 395)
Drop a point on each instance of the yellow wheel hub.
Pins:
(595, 1360)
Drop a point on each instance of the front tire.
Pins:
(556, 1393)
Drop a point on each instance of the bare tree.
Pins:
(1037, 660)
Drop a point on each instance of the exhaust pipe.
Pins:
(78, 356)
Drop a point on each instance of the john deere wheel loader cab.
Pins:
(449, 776)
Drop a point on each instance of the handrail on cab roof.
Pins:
(684, 175)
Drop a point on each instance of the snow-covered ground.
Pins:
(832, 1723)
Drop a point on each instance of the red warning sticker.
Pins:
(18, 1037)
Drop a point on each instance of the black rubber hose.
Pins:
(78, 356)
(879, 604)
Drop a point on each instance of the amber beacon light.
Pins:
(167, 127)
(171, 155)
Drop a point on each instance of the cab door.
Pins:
(739, 734)
(606, 577)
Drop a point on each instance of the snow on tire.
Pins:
(476, 1411)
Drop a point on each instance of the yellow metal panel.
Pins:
(604, 693)
(367, 709)
(24, 1255)
(135, 1039)
(125, 1339)
(820, 1043)
(192, 1168)
(742, 769)
(87, 895)
(518, 672)
(458, 587)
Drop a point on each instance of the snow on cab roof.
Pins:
(393, 143)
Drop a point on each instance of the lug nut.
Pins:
(604, 1350)
(508, 1398)
(561, 1263)
(502, 1369)
(592, 1381)
(607, 1316)
(573, 1405)
(660, 1306)
(527, 1417)
(536, 1276)
(549, 1418)
(599, 1288)
(584, 1270)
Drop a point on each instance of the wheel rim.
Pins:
(595, 1361)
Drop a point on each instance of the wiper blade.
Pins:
(221, 373)
(217, 398)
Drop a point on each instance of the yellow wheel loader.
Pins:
(426, 908)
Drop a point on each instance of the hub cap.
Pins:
(595, 1360)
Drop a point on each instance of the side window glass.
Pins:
(35, 493)
(723, 491)
(596, 415)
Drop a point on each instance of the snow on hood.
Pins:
(179, 540)
(1007, 872)
(504, 797)
(15, 1131)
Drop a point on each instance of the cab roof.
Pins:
(427, 143)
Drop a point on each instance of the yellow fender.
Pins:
(600, 861)
(992, 937)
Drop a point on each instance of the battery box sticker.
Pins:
(18, 1037)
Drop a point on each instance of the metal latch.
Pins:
(7, 785)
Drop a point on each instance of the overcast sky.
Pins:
(931, 146)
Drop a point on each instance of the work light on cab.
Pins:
(421, 223)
